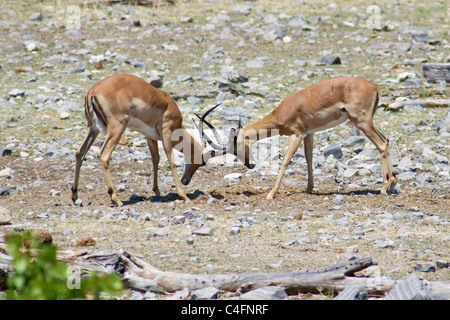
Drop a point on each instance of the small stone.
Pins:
(157, 234)
(80, 67)
(241, 9)
(156, 81)
(205, 293)
(203, 232)
(329, 60)
(195, 100)
(36, 17)
(5, 151)
(7, 172)
(441, 264)
(352, 141)
(5, 217)
(64, 115)
(254, 64)
(31, 45)
(233, 176)
(334, 150)
(16, 93)
(425, 267)
(265, 293)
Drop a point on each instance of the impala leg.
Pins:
(167, 143)
(308, 144)
(153, 146)
(382, 144)
(79, 157)
(112, 139)
(294, 142)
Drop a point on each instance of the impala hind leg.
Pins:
(308, 144)
(79, 157)
(294, 142)
(153, 146)
(382, 144)
(112, 139)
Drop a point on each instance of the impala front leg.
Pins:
(294, 142)
(153, 146)
(167, 143)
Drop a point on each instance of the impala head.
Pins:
(191, 166)
(238, 144)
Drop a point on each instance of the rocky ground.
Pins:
(249, 56)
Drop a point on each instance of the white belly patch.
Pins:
(344, 117)
(141, 127)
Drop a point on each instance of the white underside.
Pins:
(141, 127)
(329, 125)
(133, 124)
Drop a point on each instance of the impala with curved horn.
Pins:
(126, 101)
(319, 107)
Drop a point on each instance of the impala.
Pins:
(126, 101)
(319, 107)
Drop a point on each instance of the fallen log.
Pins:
(423, 103)
(139, 274)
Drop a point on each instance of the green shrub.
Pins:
(38, 275)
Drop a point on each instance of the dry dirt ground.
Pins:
(400, 230)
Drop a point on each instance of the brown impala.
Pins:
(126, 101)
(319, 107)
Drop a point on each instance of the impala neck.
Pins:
(261, 129)
(191, 148)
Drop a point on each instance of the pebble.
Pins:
(205, 294)
(203, 232)
(5, 217)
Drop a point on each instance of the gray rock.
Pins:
(80, 67)
(425, 267)
(353, 141)
(334, 150)
(36, 17)
(157, 234)
(5, 191)
(441, 264)
(31, 45)
(444, 125)
(203, 232)
(414, 81)
(274, 31)
(435, 72)
(411, 288)
(5, 151)
(406, 163)
(422, 37)
(351, 293)
(406, 175)
(254, 64)
(329, 60)
(156, 81)
(195, 100)
(265, 293)
(135, 63)
(16, 93)
(241, 9)
(5, 217)
(205, 294)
